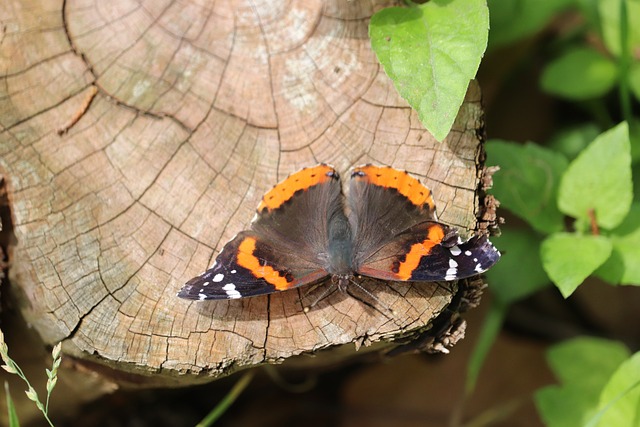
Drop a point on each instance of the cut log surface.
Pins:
(138, 137)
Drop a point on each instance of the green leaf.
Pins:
(599, 180)
(521, 259)
(566, 406)
(586, 361)
(583, 366)
(512, 20)
(623, 267)
(431, 52)
(527, 183)
(609, 12)
(620, 398)
(12, 415)
(580, 74)
(569, 258)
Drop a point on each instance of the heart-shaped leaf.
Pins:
(431, 51)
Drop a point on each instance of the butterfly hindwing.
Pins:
(454, 259)
(430, 252)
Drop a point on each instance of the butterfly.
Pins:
(305, 230)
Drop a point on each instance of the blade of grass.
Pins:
(11, 409)
(490, 329)
(227, 401)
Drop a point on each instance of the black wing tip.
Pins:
(482, 252)
(188, 292)
(470, 258)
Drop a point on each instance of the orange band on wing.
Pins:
(406, 185)
(418, 250)
(301, 180)
(247, 260)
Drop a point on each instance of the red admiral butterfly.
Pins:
(301, 235)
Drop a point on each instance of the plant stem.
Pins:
(224, 404)
(624, 63)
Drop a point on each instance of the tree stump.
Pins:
(137, 138)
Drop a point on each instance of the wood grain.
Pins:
(200, 108)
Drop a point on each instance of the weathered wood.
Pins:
(174, 119)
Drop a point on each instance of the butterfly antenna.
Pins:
(328, 291)
(380, 303)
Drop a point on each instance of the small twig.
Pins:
(93, 91)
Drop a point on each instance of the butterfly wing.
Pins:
(430, 251)
(397, 236)
(246, 267)
(286, 246)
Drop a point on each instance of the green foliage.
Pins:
(514, 19)
(634, 79)
(584, 366)
(609, 12)
(537, 184)
(600, 384)
(571, 141)
(519, 273)
(599, 180)
(623, 266)
(619, 404)
(528, 182)
(570, 258)
(12, 415)
(431, 51)
(596, 187)
(581, 73)
(584, 177)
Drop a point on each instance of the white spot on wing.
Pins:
(455, 250)
(479, 268)
(231, 291)
(218, 277)
(467, 253)
(452, 271)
